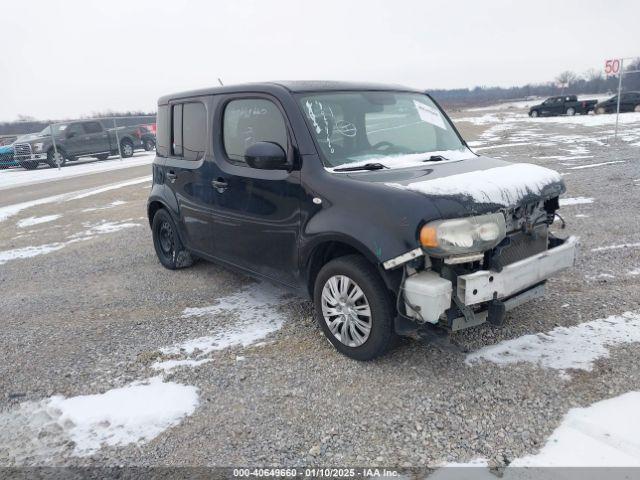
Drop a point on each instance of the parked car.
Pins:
(629, 102)
(148, 136)
(74, 139)
(562, 105)
(6, 157)
(364, 197)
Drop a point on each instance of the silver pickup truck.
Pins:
(75, 139)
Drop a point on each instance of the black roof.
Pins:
(295, 86)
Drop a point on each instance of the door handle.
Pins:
(171, 175)
(220, 184)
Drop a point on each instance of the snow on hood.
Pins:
(505, 186)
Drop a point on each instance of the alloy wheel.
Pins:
(346, 310)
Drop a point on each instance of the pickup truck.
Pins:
(74, 139)
(562, 105)
(363, 197)
(629, 102)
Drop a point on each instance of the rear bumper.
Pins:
(486, 285)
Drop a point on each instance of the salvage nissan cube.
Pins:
(365, 197)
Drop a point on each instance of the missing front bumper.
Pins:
(486, 285)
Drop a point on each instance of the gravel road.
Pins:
(86, 308)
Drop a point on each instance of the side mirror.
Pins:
(266, 156)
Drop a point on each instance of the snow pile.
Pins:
(11, 210)
(18, 177)
(255, 312)
(502, 185)
(29, 252)
(564, 348)
(565, 202)
(133, 414)
(602, 435)
(31, 221)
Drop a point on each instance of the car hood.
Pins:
(30, 137)
(476, 185)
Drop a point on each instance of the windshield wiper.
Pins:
(435, 158)
(366, 166)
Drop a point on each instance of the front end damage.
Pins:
(461, 291)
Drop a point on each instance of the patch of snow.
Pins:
(564, 348)
(616, 247)
(29, 222)
(133, 414)
(596, 165)
(634, 272)
(581, 215)
(255, 308)
(29, 252)
(115, 203)
(18, 177)
(604, 434)
(502, 185)
(600, 276)
(168, 365)
(564, 202)
(502, 145)
(11, 210)
(107, 227)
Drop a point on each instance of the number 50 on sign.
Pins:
(611, 67)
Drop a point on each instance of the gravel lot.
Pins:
(95, 312)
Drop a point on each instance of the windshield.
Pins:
(60, 127)
(395, 129)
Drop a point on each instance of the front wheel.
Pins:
(149, 144)
(534, 113)
(56, 158)
(354, 308)
(126, 148)
(571, 111)
(169, 248)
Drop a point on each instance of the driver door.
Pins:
(74, 143)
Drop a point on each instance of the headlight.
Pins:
(37, 147)
(463, 235)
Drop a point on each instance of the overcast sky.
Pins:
(68, 58)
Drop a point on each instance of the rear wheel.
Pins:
(126, 148)
(354, 308)
(56, 158)
(169, 248)
(571, 111)
(149, 144)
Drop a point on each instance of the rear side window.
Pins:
(92, 127)
(163, 131)
(188, 130)
(251, 120)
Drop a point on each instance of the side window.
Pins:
(74, 130)
(194, 130)
(176, 130)
(248, 121)
(163, 135)
(92, 127)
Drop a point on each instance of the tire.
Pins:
(571, 111)
(29, 165)
(51, 160)
(600, 111)
(149, 144)
(126, 148)
(169, 248)
(533, 114)
(102, 156)
(636, 108)
(352, 339)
